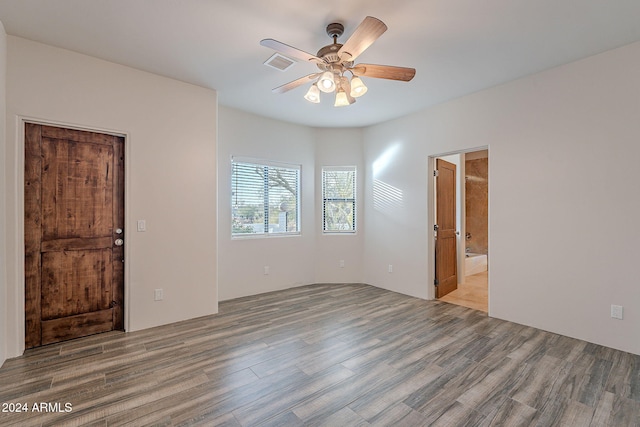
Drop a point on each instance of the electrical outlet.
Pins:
(158, 295)
(341, 263)
(266, 269)
(390, 268)
(616, 311)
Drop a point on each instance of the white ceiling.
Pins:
(457, 46)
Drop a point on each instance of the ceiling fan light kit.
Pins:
(334, 60)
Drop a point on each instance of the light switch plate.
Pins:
(142, 225)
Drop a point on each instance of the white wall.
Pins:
(563, 196)
(339, 147)
(170, 163)
(290, 259)
(395, 231)
(3, 192)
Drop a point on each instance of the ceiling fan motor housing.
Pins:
(329, 53)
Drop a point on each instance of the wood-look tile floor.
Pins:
(328, 355)
(473, 293)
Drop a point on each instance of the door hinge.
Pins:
(436, 282)
(436, 172)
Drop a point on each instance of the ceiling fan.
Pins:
(335, 60)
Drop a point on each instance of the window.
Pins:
(264, 198)
(339, 199)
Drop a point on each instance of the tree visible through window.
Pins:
(339, 199)
(264, 199)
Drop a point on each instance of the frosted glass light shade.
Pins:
(341, 98)
(326, 83)
(313, 94)
(357, 87)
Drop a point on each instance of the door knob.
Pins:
(119, 242)
(118, 230)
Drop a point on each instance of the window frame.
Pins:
(266, 165)
(353, 200)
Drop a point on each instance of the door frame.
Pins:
(19, 160)
(431, 221)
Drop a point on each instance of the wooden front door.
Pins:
(446, 253)
(74, 212)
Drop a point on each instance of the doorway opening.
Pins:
(465, 202)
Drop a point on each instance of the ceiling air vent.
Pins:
(279, 62)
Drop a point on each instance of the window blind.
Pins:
(264, 198)
(339, 199)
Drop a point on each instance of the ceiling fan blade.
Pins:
(384, 72)
(367, 32)
(289, 51)
(294, 84)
